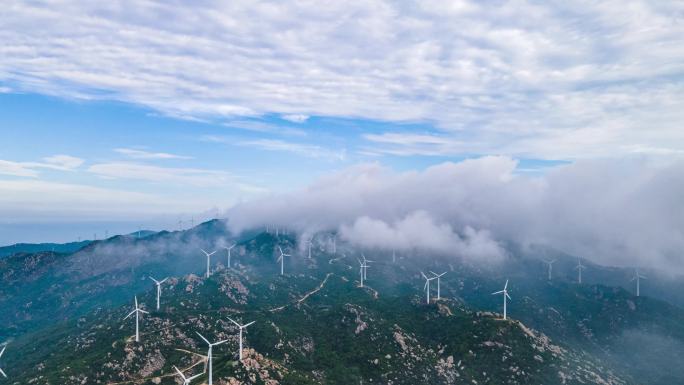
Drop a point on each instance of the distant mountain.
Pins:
(29, 248)
(316, 325)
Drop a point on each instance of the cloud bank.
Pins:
(548, 79)
(626, 212)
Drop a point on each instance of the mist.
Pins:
(626, 212)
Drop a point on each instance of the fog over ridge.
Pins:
(613, 211)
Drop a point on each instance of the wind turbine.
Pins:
(579, 268)
(208, 259)
(334, 244)
(229, 249)
(438, 276)
(137, 312)
(505, 295)
(362, 269)
(209, 357)
(186, 380)
(158, 283)
(549, 262)
(637, 277)
(310, 243)
(427, 286)
(241, 327)
(365, 268)
(2, 351)
(394, 256)
(281, 259)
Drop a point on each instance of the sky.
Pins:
(120, 115)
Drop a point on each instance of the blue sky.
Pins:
(113, 116)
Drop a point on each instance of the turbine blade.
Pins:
(3, 350)
(155, 281)
(163, 280)
(423, 274)
(509, 297)
(219, 343)
(433, 273)
(193, 377)
(129, 314)
(506, 285)
(202, 337)
(204, 252)
(143, 311)
(3, 373)
(179, 372)
(233, 321)
(498, 292)
(249, 324)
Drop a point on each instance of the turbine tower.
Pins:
(229, 249)
(2, 351)
(394, 256)
(310, 243)
(505, 295)
(209, 357)
(334, 244)
(637, 277)
(186, 380)
(549, 262)
(158, 283)
(427, 286)
(281, 259)
(579, 268)
(438, 276)
(241, 327)
(208, 260)
(137, 312)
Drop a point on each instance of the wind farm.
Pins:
(338, 193)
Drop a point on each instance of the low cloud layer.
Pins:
(626, 212)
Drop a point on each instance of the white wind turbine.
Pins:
(281, 259)
(208, 260)
(579, 268)
(549, 262)
(158, 283)
(209, 354)
(229, 249)
(505, 295)
(137, 312)
(438, 276)
(310, 243)
(362, 269)
(2, 351)
(186, 380)
(365, 268)
(241, 327)
(427, 286)
(637, 277)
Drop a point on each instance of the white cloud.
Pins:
(62, 162)
(150, 173)
(28, 169)
(534, 79)
(296, 118)
(307, 150)
(142, 154)
(623, 212)
(41, 200)
(16, 169)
